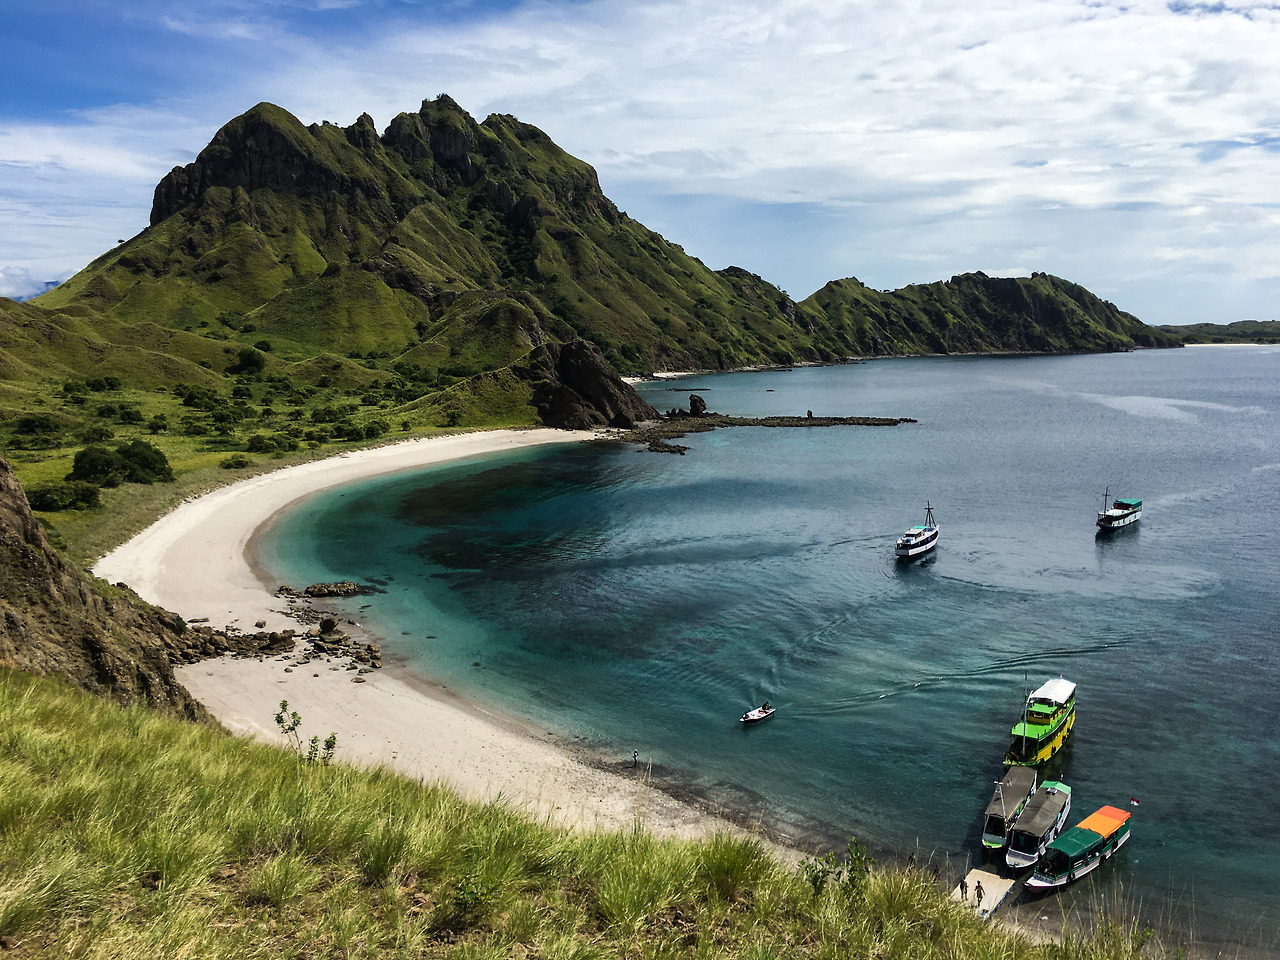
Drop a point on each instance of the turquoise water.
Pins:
(641, 601)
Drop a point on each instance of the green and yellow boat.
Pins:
(1046, 722)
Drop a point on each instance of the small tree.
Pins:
(316, 752)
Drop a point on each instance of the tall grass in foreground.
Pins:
(124, 834)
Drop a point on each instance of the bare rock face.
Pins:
(575, 389)
(56, 621)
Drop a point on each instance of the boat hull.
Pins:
(1027, 843)
(1048, 747)
(1108, 521)
(1039, 881)
(913, 548)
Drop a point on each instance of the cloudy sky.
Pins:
(1129, 145)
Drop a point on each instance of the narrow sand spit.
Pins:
(193, 561)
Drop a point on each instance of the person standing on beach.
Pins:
(635, 758)
(964, 889)
(977, 892)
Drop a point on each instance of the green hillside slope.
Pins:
(325, 239)
(974, 313)
(1242, 331)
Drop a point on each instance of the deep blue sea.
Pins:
(632, 600)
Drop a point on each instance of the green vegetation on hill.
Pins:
(301, 287)
(1242, 331)
(974, 313)
(127, 834)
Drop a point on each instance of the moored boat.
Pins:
(1121, 513)
(1040, 821)
(1008, 800)
(1081, 849)
(918, 540)
(1046, 722)
(763, 712)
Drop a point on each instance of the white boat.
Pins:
(1121, 513)
(921, 539)
(763, 712)
(1040, 821)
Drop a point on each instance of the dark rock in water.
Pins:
(343, 588)
(57, 621)
(697, 406)
(575, 389)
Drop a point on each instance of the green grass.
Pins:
(126, 834)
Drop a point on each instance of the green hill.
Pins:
(301, 287)
(1242, 331)
(457, 246)
(974, 313)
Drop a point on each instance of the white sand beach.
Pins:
(193, 561)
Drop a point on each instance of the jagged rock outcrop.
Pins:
(56, 621)
(574, 388)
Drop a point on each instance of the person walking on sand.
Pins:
(964, 889)
(635, 757)
(977, 892)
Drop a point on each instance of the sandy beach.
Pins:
(193, 561)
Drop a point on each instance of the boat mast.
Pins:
(1026, 712)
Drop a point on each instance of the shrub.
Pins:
(135, 462)
(248, 360)
(263, 345)
(98, 465)
(63, 495)
(147, 464)
(36, 423)
(260, 443)
(237, 461)
(94, 433)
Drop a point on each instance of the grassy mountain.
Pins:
(305, 286)
(457, 246)
(974, 313)
(1242, 331)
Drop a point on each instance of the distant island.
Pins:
(1242, 331)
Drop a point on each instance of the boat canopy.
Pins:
(1011, 791)
(1105, 821)
(1127, 503)
(1072, 844)
(1042, 810)
(1057, 690)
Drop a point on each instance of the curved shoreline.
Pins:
(196, 561)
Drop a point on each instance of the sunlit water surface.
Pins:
(639, 601)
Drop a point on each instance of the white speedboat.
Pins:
(918, 540)
(763, 712)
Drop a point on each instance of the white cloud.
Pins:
(1118, 143)
(18, 284)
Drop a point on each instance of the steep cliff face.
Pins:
(575, 389)
(55, 622)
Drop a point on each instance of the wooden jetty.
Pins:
(994, 889)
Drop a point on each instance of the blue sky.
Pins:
(1128, 145)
